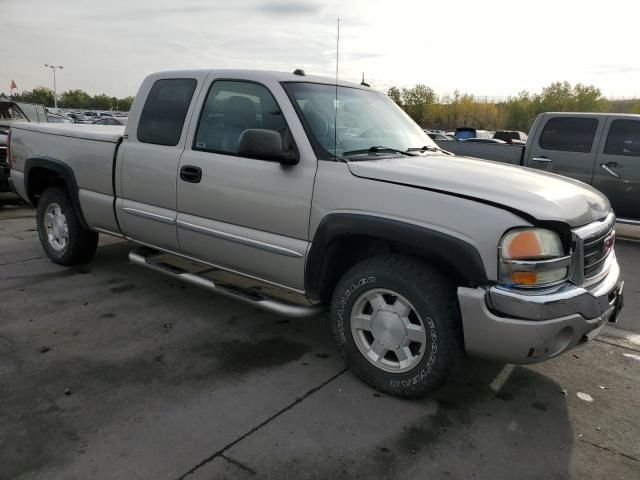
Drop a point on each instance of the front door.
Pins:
(617, 172)
(567, 145)
(245, 214)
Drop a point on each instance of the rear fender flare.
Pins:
(65, 172)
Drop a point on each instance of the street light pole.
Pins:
(55, 94)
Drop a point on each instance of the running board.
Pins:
(144, 256)
(628, 221)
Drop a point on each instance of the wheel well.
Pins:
(345, 251)
(41, 178)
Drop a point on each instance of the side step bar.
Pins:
(144, 256)
(628, 221)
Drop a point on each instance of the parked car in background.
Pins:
(463, 133)
(420, 255)
(59, 118)
(12, 113)
(440, 137)
(112, 121)
(80, 118)
(513, 137)
(600, 149)
(484, 140)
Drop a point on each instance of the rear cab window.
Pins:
(569, 134)
(165, 110)
(623, 138)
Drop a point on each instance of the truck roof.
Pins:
(258, 76)
(592, 114)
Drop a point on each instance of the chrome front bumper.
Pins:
(516, 327)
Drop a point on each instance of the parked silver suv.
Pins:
(331, 195)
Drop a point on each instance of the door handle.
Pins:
(607, 168)
(191, 174)
(541, 159)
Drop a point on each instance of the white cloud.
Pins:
(494, 48)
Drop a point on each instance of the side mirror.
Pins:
(265, 144)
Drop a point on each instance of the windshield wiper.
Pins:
(427, 148)
(378, 149)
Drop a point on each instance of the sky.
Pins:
(492, 48)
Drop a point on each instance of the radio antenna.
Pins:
(335, 122)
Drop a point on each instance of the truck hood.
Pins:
(544, 196)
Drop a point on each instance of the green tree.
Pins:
(41, 95)
(102, 102)
(416, 102)
(395, 95)
(517, 113)
(588, 98)
(75, 99)
(557, 97)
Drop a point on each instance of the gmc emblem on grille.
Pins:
(607, 244)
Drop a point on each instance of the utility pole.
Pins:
(55, 94)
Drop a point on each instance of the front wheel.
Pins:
(396, 324)
(61, 234)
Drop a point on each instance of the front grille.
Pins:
(596, 250)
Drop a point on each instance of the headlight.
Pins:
(532, 257)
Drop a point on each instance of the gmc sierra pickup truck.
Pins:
(600, 149)
(329, 194)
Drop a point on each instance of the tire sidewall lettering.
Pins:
(346, 296)
(426, 370)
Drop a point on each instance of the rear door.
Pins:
(567, 145)
(617, 172)
(241, 213)
(149, 160)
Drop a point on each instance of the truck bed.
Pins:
(500, 153)
(88, 151)
(100, 133)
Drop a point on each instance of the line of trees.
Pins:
(75, 99)
(421, 103)
(516, 113)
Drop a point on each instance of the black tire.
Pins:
(433, 299)
(81, 244)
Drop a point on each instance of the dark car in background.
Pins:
(513, 137)
(111, 121)
(485, 140)
(58, 118)
(464, 133)
(80, 118)
(440, 137)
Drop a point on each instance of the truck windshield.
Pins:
(356, 122)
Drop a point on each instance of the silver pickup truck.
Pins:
(330, 195)
(600, 149)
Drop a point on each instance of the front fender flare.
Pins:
(426, 242)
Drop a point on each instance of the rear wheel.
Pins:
(61, 234)
(396, 324)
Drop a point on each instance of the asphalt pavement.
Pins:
(110, 371)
